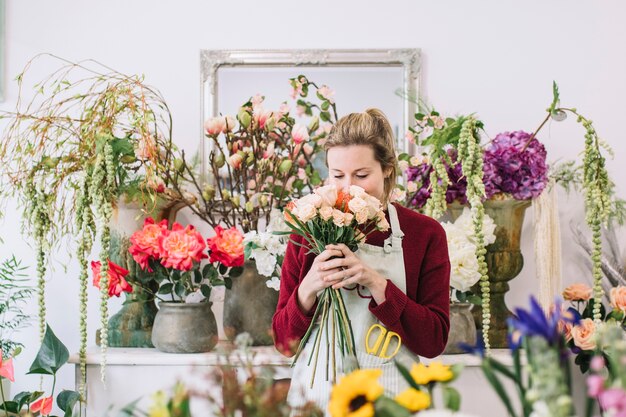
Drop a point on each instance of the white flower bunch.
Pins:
(268, 250)
(462, 248)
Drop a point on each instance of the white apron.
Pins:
(389, 262)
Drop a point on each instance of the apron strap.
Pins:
(395, 240)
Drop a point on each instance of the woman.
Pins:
(399, 278)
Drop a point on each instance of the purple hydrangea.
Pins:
(507, 169)
(421, 175)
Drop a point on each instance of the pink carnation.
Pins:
(180, 247)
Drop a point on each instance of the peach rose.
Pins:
(328, 194)
(145, 242)
(181, 246)
(306, 212)
(577, 292)
(226, 247)
(583, 334)
(326, 212)
(117, 282)
(361, 216)
(618, 298)
(338, 217)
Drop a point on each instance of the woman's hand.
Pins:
(317, 278)
(350, 270)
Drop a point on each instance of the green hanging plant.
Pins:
(88, 136)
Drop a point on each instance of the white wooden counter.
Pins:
(137, 373)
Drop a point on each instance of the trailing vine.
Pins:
(86, 230)
(596, 186)
(471, 155)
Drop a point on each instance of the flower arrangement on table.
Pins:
(170, 262)
(259, 160)
(360, 394)
(582, 337)
(332, 216)
(89, 136)
(268, 252)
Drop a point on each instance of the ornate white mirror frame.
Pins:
(407, 59)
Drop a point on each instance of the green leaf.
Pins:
(315, 179)
(325, 105)
(51, 356)
(205, 290)
(406, 375)
(386, 407)
(223, 269)
(166, 288)
(497, 386)
(451, 398)
(197, 276)
(22, 399)
(325, 116)
(207, 268)
(555, 97)
(235, 271)
(66, 401)
(228, 283)
(10, 407)
(179, 289)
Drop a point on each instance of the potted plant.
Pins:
(89, 136)
(170, 269)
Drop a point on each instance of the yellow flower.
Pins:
(413, 400)
(435, 372)
(159, 407)
(419, 373)
(440, 372)
(355, 394)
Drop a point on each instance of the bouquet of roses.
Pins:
(331, 216)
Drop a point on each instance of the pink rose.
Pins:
(226, 247)
(618, 298)
(583, 334)
(145, 242)
(181, 247)
(117, 282)
(299, 133)
(577, 292)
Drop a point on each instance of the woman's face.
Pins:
(356, 165)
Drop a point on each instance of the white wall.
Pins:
(496, 58)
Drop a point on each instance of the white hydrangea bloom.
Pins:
(273, 283)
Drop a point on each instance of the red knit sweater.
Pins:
(420, 317)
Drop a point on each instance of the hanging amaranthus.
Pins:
(471, 155)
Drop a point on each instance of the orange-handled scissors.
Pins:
(384, 337)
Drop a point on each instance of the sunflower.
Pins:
(355, 394)
(413, 400)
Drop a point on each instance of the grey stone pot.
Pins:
(462, 328)
(184, 328)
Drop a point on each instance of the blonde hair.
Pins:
(370, 128)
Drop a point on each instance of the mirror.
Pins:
(360, 79)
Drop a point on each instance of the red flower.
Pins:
(145, 242)
(117, 283)
(180, 247)
(44, 405)
(226, 247)
(6, 368)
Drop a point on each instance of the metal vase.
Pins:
(504, 262)
(462, 328)
(249, 307)
(184, 327)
